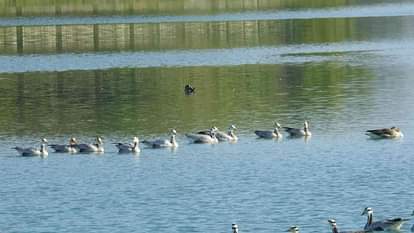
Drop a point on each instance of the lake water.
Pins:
(94, 68)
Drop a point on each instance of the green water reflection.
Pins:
(11, 8)
(150, 101)
(196, 35)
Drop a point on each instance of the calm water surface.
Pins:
(86, 69)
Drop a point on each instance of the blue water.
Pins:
(263, 185)
(352, 53)
(343, 83)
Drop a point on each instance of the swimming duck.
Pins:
(275, 133)
(208, 131)
(392, 132)
(384, 225)
(31, 151)
(91, 148)
(209, 138)
(163, 143)
(128, 147)
(229, 136)
(293, 132)
(293, 229)
(335, 229)
(71, 148)
(189, 90)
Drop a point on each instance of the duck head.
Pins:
(99, 140)
(73, 141)
(293, 229)
(367, 211)
(277, 125)
(235, 228)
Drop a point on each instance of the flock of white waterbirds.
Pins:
(209, 136)
(213, 136)
(389, 224)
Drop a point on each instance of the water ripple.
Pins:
(295, 54)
